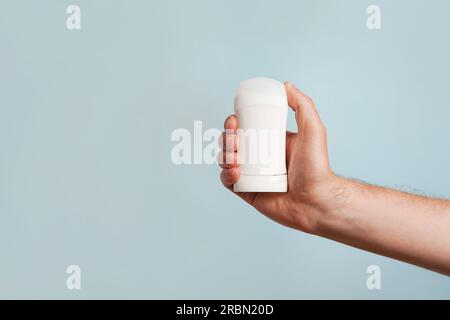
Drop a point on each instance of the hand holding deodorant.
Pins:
(261, 108)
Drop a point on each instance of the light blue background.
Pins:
(85, 124)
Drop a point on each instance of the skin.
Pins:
(406, 227)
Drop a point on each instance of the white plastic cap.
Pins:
(260, 91)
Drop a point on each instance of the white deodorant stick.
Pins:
(261, 108)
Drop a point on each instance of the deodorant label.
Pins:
(261, 143)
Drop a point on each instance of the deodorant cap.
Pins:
(260, 91)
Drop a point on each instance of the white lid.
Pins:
(260, 91)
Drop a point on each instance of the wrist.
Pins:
(332, 203)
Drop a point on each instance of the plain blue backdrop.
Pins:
(86, 117)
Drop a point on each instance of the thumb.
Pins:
(306, 115)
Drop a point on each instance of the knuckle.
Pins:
(319, 129)
(229, 142)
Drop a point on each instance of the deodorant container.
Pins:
(261, 108)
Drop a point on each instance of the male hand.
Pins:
(310, 179)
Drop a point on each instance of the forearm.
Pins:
(403, 226)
